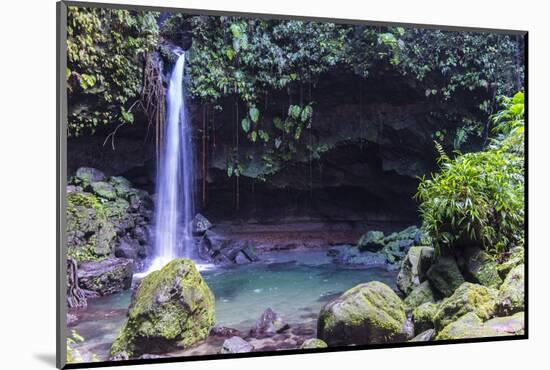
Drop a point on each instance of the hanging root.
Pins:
(152, 98)
(76, 297)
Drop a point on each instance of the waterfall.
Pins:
(174, 205)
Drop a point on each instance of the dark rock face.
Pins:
(200, 224)
(445, 276)
(236, 345)
(221, 250)
(269, 324)
(111, 275)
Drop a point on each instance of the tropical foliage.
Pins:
(478, 198)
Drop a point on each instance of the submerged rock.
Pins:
(369, 313)
(111, 275)
(469, 297)
(511, 296)
(313, 343)
(445, 276)
(269, 324)
(236, 345)
(172, 307)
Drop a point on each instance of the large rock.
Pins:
(369, 313)
(423, 316)
(516, 257)
(511, 296)
(469, 297)
(200, 224)
(425, 336)
(221, 250)
(270, 323)
(111, 275)
(172, 307)
(86, 175)
(420, 294)
(445, 275)
(481, 268)
(371, 241)
(236, 345)
(121, 186)
(104, 190)
(413, 271)
(313, 343)
(471, 326)
(352, 256)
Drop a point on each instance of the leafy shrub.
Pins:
(478, 198)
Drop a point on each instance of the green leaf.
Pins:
(254, 114)
(68, 73)
(278, 123)
(229, 171)
(294, 111)
(254, 136)
(127, 117)
(519, 98)
(298, 132)
(306, 113)
(235, 30)
(264, 135)
(245, 123)
(278, 143)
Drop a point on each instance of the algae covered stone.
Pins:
(371, 241)
(469, 297)
(104, 190)
(509, 325)
(467, 326)
(481, 267)
(313, 343)
(511, 295)
(108, 276)
(516, 257)
(423, 316)
(366, 314)
(420, 294)
(172, 307)
(445, 275)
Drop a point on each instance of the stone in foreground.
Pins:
(111, 275)
(445, 276)
(369, 313)
(270, 323)
(425, 336)
(236, 345)
(413, 270)
(171, 308)
(511, 295)
(313, 343)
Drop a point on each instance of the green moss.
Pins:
(511, 296)
(420, 294)
(423, 316)
(313, 343)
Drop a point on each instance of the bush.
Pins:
(478, 198)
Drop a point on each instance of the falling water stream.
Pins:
(174, 206)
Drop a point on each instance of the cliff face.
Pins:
(369, 141)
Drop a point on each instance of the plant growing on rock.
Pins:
(478, 198)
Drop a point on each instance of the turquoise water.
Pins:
(294, 284)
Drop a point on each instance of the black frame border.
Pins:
(61, 169)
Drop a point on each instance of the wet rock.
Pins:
(103, 190)
(425, 336)
(366, 314)
(171, 308)
(313, 343)
(223, 331)
(515, 258)
(121, 186)
(445, 276)
(200, 224)
(269, 324)
(129, 248)
(111, 275)
(510, 325)
(511, 295)
(371, 241)
(236, 345)
(223, 251)
(480, 300)
(352, 256)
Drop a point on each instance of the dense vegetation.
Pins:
(478, 198)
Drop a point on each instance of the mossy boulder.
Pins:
(371, 241)
(121, 185)
(171, 308)
(413, 271)
(515, 258)
(422, 293)
(423, 316)
(369, 313)
(84, 176)
(104, 190)
(445, 275)
(469, 297)
(481, 268)
(509, 325)
(313, 343)
(511, 296)
(108, 276)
